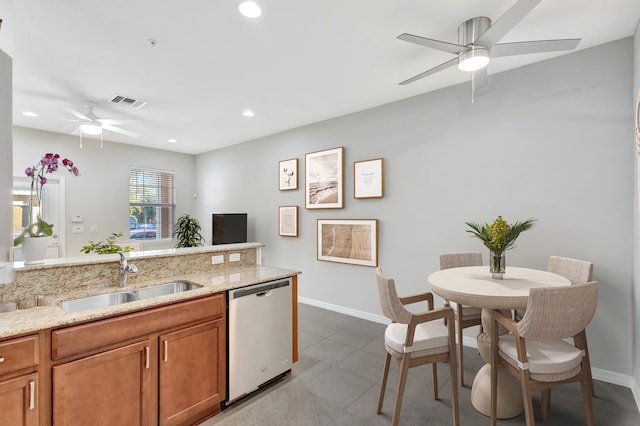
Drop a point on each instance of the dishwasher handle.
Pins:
(261, 290)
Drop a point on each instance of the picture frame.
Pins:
(352, 241)
(368, 178)
(288, 174)
(288, 221)
(324, 179)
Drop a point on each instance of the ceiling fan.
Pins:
(93, 125)
(478, 43)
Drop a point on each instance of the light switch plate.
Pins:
(216, 260)
(234, 257)
(76, 218)
(77, 229)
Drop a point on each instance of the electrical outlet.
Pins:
(216, 260)
(234, 257)
(93, 228)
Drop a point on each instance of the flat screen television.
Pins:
(229, 228)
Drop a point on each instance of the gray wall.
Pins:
(6, 103)
(551, 141)
(636, 287)
(101, 193)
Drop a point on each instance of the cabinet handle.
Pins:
(166, 350)
(32, 395)
(147, 355)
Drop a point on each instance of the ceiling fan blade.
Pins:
(121, 131)
(540, 46)
(112, 121)
(506, 22)
(480, 77)
(434, 44)
(433, 70)
(78, 114)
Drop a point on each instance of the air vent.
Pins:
(124, 100)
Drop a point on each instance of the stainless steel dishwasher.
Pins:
(260, 335)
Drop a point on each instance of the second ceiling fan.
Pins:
(478, 43)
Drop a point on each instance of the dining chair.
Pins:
(415, 339)
(578, 272)
(535, 351)
(465, 316)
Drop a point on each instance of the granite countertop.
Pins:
(31, 320)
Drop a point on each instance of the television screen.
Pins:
(229, 228)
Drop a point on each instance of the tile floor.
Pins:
(336, 382)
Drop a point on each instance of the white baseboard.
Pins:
(598, 373)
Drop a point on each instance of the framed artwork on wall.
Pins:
(324, 184)
(368, 178)
(288, 174)
(288, 221)
(353, 241)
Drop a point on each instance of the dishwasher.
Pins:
(260, 336)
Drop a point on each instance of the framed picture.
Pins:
(353, 241)
(368, 178)
(324, 179)
(288, 221)
(288, 174)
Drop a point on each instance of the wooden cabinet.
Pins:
(110, 388)
(192, 373)
(165, 365)
(19, 402)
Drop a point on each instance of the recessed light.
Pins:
(248, 113)
(30, 114)
(250, 9)
(172, 140)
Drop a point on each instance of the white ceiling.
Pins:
(303, 61)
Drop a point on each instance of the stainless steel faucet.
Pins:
(125, 268)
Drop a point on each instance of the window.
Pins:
(151, 204)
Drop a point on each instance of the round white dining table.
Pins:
(475, 286)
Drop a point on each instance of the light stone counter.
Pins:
(25, 321)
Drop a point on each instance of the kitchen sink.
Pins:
(164, 289)
(97, 302)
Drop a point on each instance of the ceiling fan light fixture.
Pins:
(250, 9)
(91, 129)
(473, 59)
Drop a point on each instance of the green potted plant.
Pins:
(108, 246)
(187, 232)
(499, 237)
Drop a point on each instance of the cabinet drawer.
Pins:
(17, 354)
(84, 338)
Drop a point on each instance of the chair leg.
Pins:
(586, 399)
(460, 345)
(404, 367)
(494, 387)
(454, 389)
(527, 401)
(545, 403)
(383, 385)
(434, 374)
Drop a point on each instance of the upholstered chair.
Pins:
(414, 339)
(536, 352)
(466, 316)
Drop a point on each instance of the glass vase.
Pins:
(496, 264)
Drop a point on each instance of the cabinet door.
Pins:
(110, 388)
(192, 372)
(19, 401)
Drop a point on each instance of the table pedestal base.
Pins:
(509, 394)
